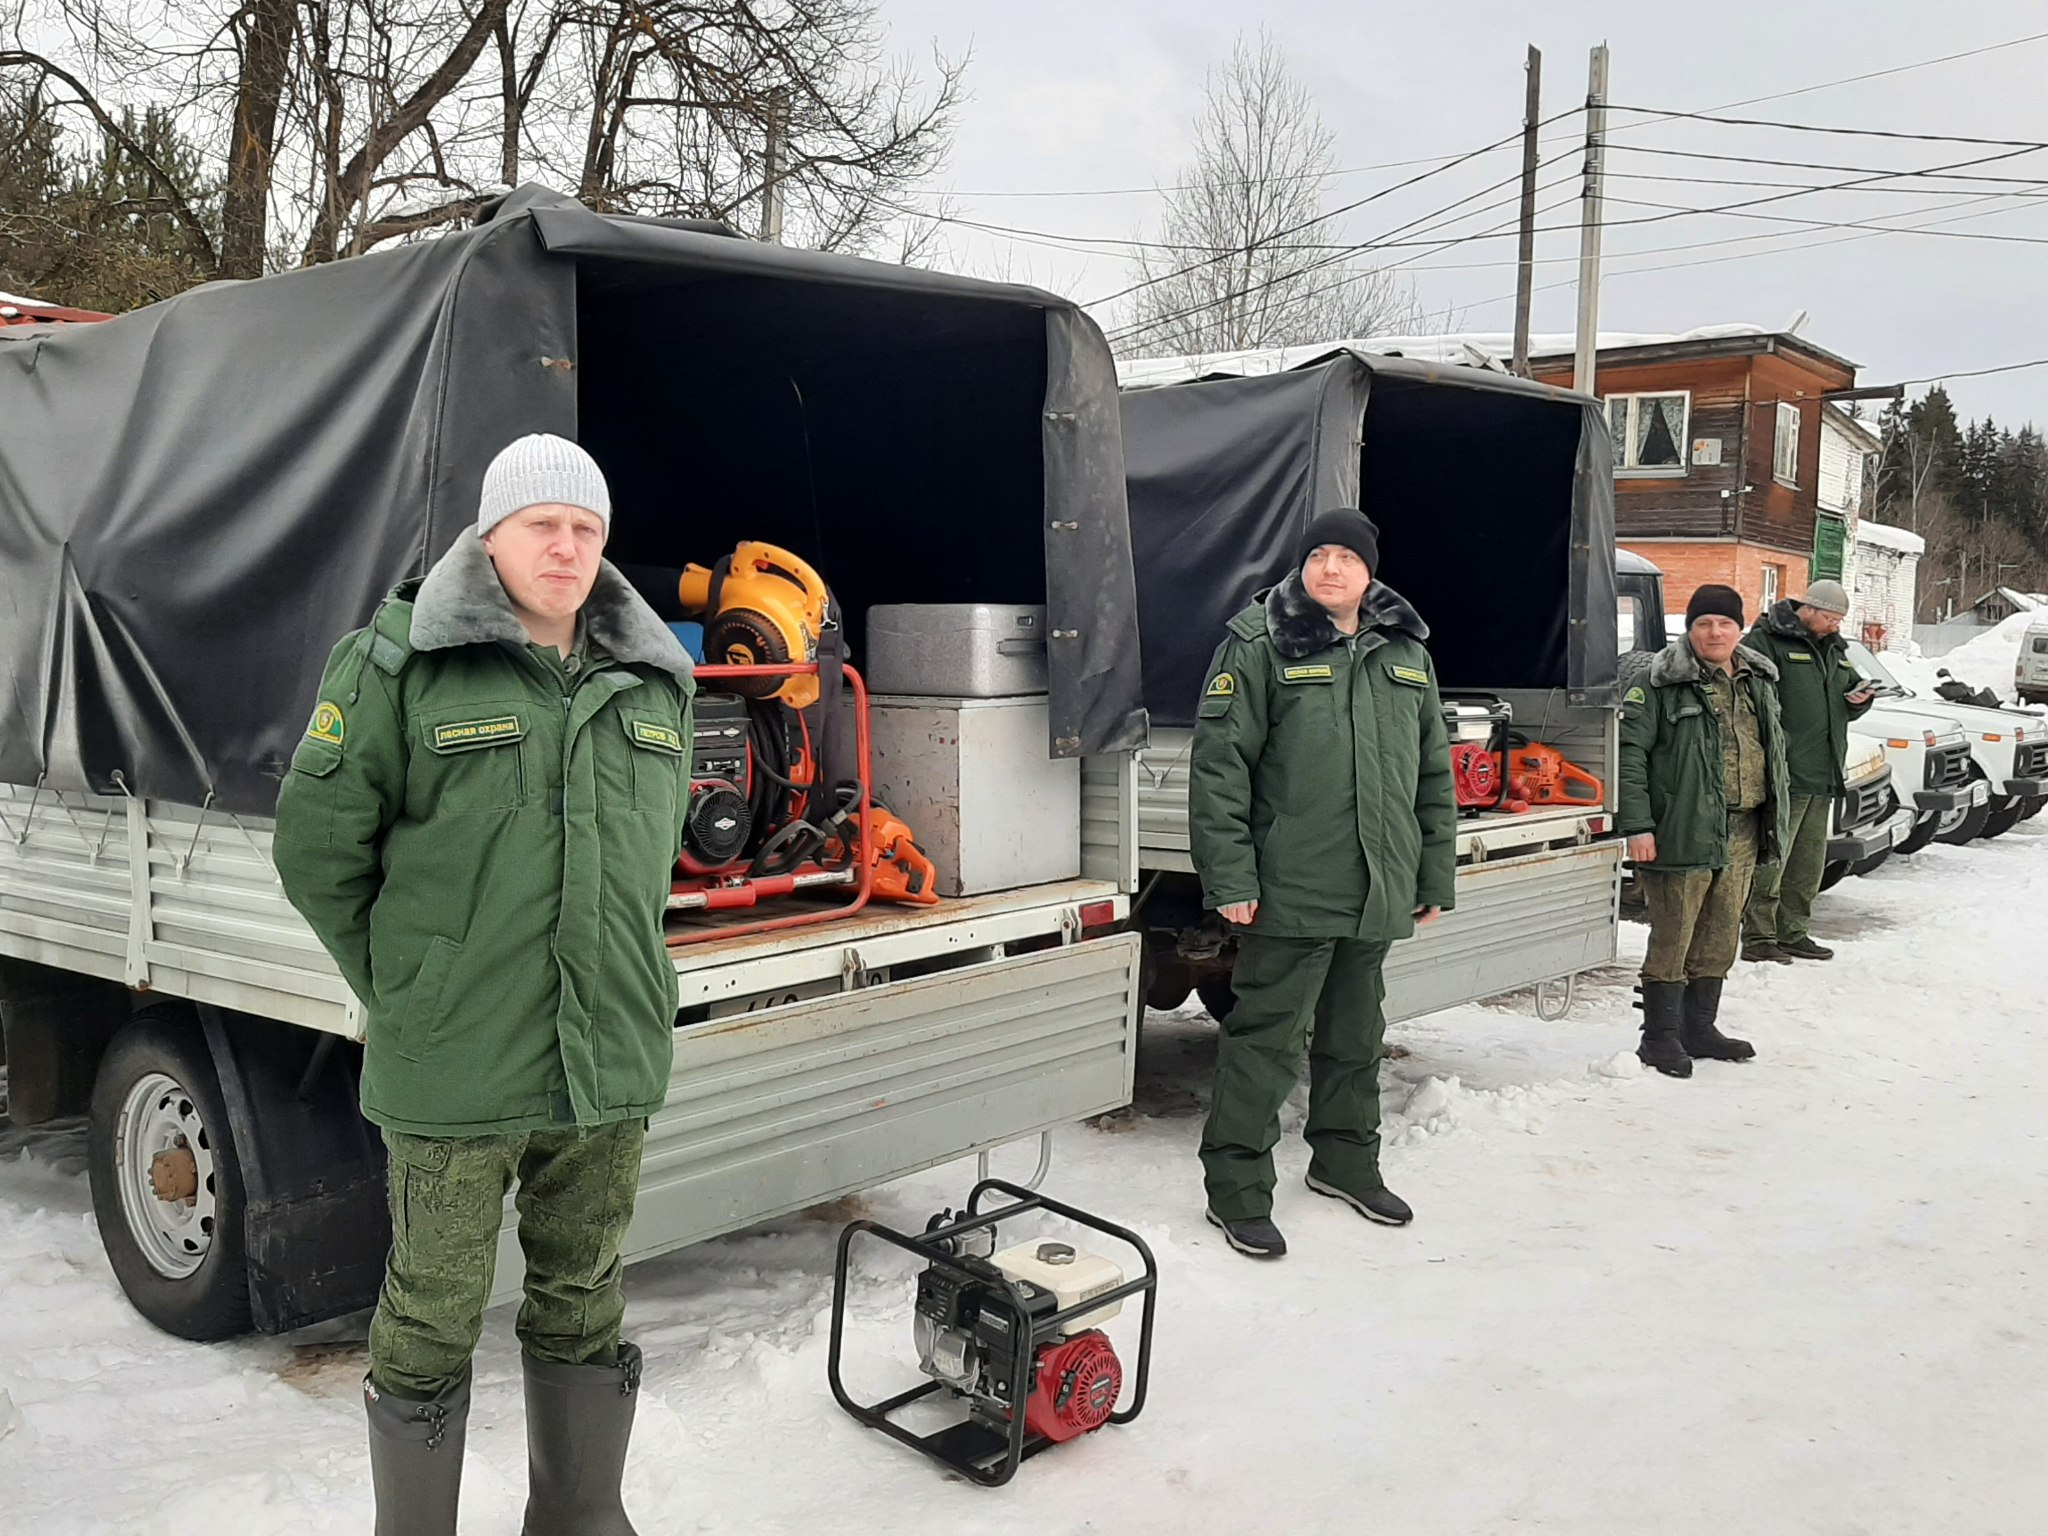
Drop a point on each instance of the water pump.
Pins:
(1015, 1337)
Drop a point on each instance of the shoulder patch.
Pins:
(1221, 686)
(327, 724)
(1635, 695)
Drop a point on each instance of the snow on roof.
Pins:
(1834, 419)
(2025, 601)
(1885, 536)
(1478, 349)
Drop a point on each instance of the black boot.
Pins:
(1804, 948)
(1256, 1237)
(1663, 1012)
(578, 1420)
(1698, 1034)
(416, 1459)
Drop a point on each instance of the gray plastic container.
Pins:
(956, 650)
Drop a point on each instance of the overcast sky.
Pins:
(1072, 96)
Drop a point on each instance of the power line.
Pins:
(1978, 373)
(1808, 165)
(1320, 218)
(1868, 133)
(1729, 181)
(1875, 74)
(1677, 211)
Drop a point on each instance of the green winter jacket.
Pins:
(1672, 773)
(1320, 785)
(484, 839)
(1815, 678)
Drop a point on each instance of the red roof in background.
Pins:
(20, 311)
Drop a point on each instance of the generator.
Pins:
(1014, 1336)
(1478, 725)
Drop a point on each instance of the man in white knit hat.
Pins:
(481, 825)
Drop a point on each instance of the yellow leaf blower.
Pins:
(760, 606)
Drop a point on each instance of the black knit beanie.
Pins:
(1345, 526)
(1714, 598)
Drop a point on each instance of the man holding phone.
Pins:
(1819, 693)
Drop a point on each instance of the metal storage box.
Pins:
(956, 650)
(973, 778)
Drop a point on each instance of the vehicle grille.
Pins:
(1948, 767)
(2031, 761)
(1861, 807)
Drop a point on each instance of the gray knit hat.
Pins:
(538, 468)
(1827, 596)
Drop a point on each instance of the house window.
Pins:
(1649, 433)
(1774, 576)
(1785, 451)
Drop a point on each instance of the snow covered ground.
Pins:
(1801, 1295)
(1985, 662)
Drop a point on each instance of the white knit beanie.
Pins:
(539, 468)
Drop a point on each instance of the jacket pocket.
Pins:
(474, 762)
(659, 764)
(419, 1027)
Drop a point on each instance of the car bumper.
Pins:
(1863, 843)
(1958, 799)
(2024, 789)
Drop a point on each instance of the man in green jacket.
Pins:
(1819, 693)
(1703, 798)
(481, 825)
(1324, 827)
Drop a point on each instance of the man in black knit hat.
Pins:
(1324, 828)
(1703, 801)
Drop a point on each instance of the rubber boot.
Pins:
(578, 1420)
(416, 1459)
(1663, 1013)
(1698, 1034)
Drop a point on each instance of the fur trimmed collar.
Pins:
(1301, 626)
(1676, 664)
(461, 602)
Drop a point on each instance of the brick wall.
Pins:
(1738, 565)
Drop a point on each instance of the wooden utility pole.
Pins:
(1584, 361)
(774, 153)
(1525, 271)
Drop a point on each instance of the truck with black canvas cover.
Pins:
(198, 499)
(1495, 506)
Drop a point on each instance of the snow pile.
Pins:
(1800, 1294)
(1985, 662)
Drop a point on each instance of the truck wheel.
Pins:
(1166, 978)
(166, 1186)
(1871, 865)
(2005, 815)
(1960, 827)
(1217, 995)
(1924, 828)
(2033, 807)
(1834, 874)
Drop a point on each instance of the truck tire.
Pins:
(159, 1125)
(1871, 865)
(2006, 811)
(1834, 874)
(1960, 827)
(1217, 995)
(2033, 807)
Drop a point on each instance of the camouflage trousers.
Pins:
(1696, 914)
(576, 1192)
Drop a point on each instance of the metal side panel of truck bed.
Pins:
(1536, 893)
(778, 1110)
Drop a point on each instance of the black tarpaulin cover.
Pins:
(198, 498)
(1493, 495)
